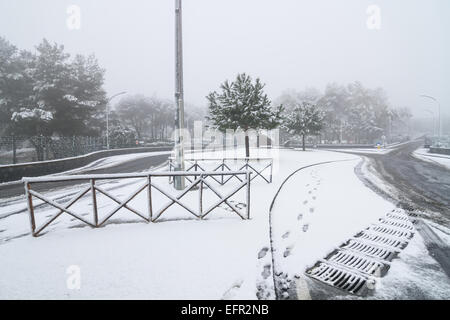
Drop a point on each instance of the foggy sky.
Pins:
(289, 44)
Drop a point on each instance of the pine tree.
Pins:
(243, 105)
(305, 119)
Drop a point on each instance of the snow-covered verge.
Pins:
(425, 155)
(316, 211)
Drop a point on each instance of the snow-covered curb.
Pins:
(424, 155)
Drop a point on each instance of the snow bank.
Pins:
(425, 155)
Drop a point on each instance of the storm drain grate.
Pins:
(402, 217)
(391, 231)
(397, 224)
(358, 262)
(380, 240)
(351, 282)
(354, 264)
(370, 250)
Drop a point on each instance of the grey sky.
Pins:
(290, 44)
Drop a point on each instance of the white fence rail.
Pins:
(198, 182)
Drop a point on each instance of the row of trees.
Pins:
(151, 117)
(351, 113)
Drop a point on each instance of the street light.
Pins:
(439, 111)
(433, 119)
(107, 116)
(179, 182)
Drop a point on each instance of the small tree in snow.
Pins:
(305, 119)
(243, 105)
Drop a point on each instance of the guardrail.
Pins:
(193, 165)
(150, 216)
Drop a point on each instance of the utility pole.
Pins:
(179, 182)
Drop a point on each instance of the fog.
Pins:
(289, 44)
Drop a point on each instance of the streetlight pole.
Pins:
(439, 116)
(433, 120)
(179, 182)
(107, 116)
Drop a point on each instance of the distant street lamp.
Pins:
(107, 116)
(439, 110)
(433, 119)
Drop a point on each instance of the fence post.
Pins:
(150, 204)
(248, 194)
(94, 202)
(271, 170)
(200, 198)
(223, 169)
(30, 208)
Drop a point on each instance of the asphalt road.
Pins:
(137, 165)
(421, 185)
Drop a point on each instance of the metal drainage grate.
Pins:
(402, 217)
(352, 266)
(391, 231)
(380, 240)
(358, 262)
(397, 224)
(370, 250)
(348, 281)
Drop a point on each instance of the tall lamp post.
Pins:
(179, 182)
(107, 116)
(439, 116)
(433, 120)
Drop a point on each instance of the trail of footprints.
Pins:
(307, 208)
(357, 263)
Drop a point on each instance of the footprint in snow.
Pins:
(314, 197)
(305, 227)
(287, 252)
(300, 216)
(262, 253)
(266, 272)
(305, 202)
(311, 210)
(284, 236)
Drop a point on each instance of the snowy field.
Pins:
(424, 155)
(222, 257)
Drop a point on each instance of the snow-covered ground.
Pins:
(425, 155)
(184, 258)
